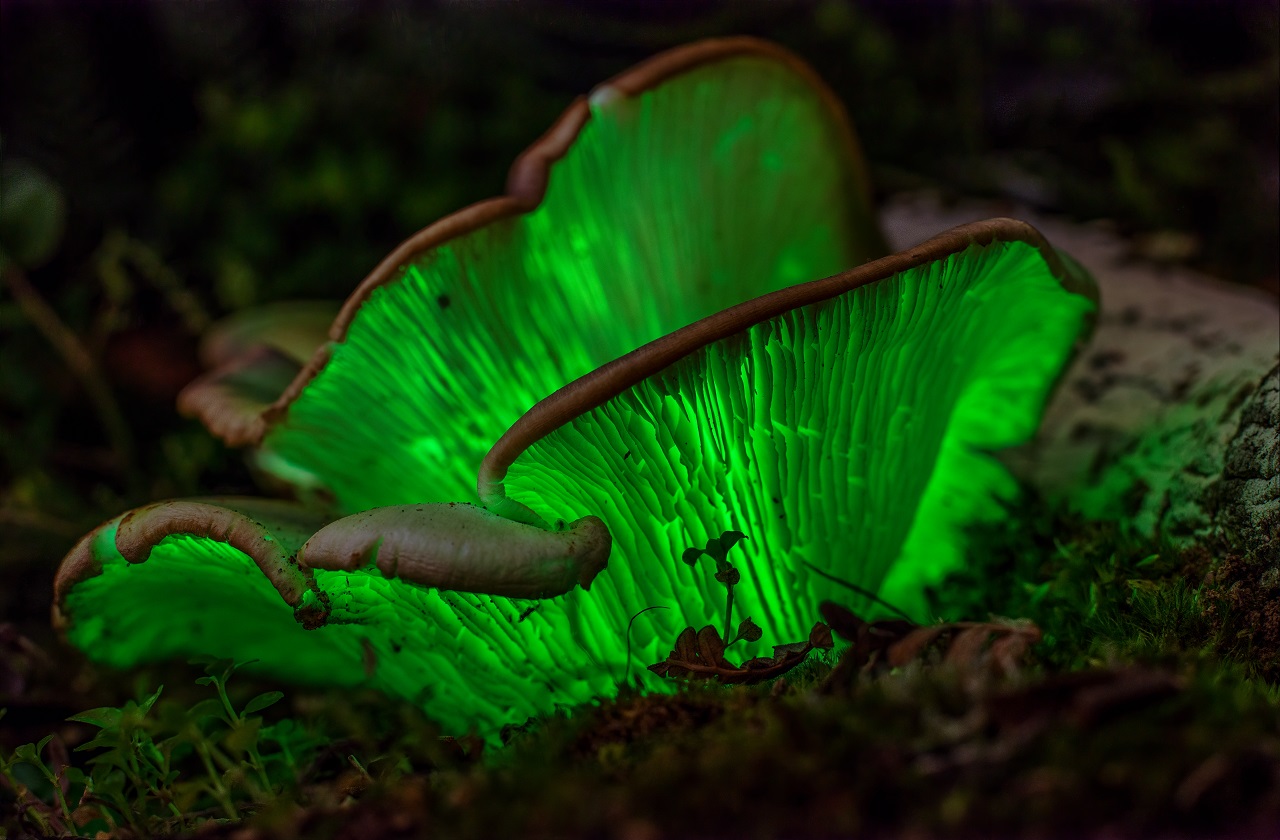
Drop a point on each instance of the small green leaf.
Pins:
(145, 705)
(718, 547)
(210, 707)
(748, 631)
(32, 214)
(148, 750)
(262, 701)
(107, 738)
(103, 717)
(729, 539)
(691, 556)
(217, 669)
(28, 754)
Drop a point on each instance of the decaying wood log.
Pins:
(1171, 416)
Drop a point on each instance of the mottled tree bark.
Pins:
(1170, 417)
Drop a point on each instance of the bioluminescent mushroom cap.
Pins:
(707, 175)
(842, 424)
(845, 424)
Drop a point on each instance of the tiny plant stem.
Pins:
(870, 596)
(226, 762)
(132, 770)
(256, 760)
(355, 762)
(81, 363)
(166, 281)
(47, 828)
(162, 795)
(62, 804)
(53, 780)
(215, 780)
(728, 615)
(165, 795)
(627, 678)
(127, 812)
(232, 717)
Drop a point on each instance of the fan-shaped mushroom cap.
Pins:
(707, 175)
(844, 423)
(163, 580)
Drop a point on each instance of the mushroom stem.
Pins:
(463, 548)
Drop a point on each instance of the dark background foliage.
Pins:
(219, 154)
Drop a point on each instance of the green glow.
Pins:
(722, 184)
(471, 660)
(847, 433)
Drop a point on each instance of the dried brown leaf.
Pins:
(700, 656)
(965, 650)
(913, 644)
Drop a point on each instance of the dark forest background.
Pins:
(214, 155)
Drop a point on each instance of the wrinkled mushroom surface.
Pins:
(846, 423)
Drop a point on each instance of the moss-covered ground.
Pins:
(1149, 708)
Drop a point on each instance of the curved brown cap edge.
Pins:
(141, 529)
(77, 566)
(529, 175)
(606, 382)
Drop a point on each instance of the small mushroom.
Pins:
(252, 357)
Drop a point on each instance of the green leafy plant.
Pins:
(699, 654)
(157, 767)
(717, 549)
(50, 819)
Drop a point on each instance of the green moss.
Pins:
(1140, 714)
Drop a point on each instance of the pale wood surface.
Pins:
(1171, 415)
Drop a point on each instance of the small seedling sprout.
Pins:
(717, 549)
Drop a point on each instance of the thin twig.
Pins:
(627, 678)
(858, 589)
(81, 363)
(118, 248)
(728, 615)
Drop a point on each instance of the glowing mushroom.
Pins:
(705, 176)
(842, 423)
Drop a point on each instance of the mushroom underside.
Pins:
(851, 434)
(730, 180)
